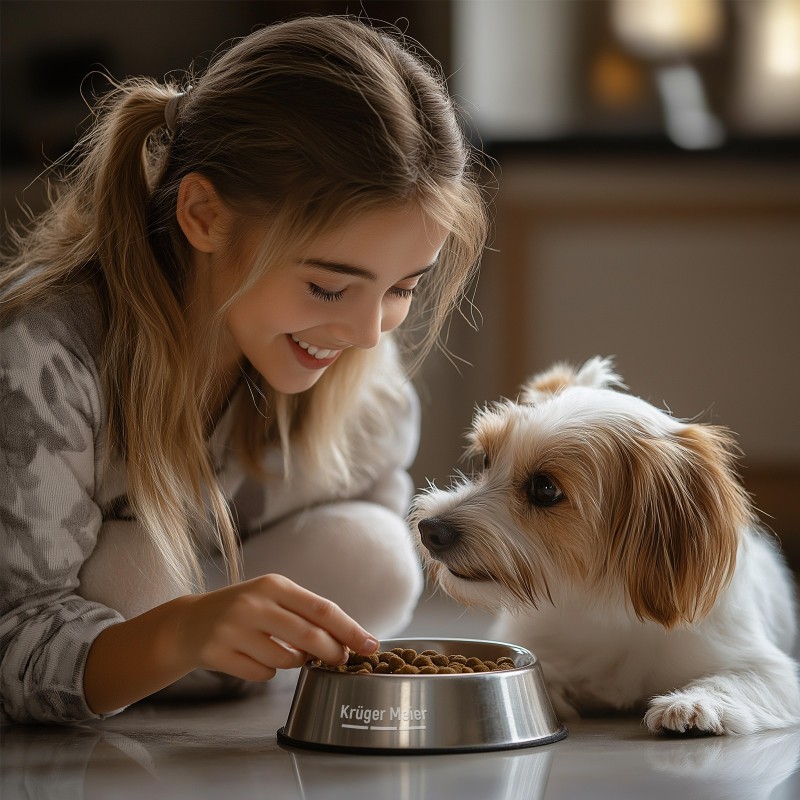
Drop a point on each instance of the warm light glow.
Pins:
(667, 28)
(781, 38)
(769, 69)
(616, 80)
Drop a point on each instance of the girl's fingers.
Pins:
(305, 636)
(240, 665)
(322, 614)
(264, 649)
(325, 614)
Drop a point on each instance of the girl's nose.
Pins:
(361, 328)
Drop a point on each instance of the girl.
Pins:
(205, 424)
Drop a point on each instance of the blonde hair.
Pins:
(300, 126)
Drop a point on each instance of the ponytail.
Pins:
(96, 232)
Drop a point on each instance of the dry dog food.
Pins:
(407, 661)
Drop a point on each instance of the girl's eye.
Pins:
(324, 294)
(403, 294)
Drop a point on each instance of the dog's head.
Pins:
(582, 485)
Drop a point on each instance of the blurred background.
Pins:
(646, 189)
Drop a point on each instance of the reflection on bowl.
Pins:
(466, 712)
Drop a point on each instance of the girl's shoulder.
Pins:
(50, 356)
(71, 319)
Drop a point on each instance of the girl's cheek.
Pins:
(394, 317)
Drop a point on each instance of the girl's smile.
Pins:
(311, 356)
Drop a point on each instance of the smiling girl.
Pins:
(204, 417)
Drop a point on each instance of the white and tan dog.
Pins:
(626, 555)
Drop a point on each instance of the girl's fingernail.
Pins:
(370, 644)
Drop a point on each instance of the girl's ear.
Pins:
(201, 214)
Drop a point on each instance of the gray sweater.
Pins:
(55, 496)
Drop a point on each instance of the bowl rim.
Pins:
(518, 649)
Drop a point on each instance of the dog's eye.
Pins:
(543, 490)
(486, 461)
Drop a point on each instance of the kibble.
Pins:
(395, 662)
(406, 661)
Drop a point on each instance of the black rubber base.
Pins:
(286, 741)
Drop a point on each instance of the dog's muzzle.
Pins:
(437, 535)
(440, 539)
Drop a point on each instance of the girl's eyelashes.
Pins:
(403, 294)
(330, 296)
(324, 294)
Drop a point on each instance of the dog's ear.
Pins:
(596, 373)
(675, 529)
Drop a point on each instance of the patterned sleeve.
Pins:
(50, 421)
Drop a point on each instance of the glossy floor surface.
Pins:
(229, 750)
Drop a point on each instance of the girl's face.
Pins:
(348, 288)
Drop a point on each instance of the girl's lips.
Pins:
(306, 359)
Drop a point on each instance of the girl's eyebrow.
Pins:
(357, 272)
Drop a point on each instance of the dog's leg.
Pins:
(565, 711)
(751, 698)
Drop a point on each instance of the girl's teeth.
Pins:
(313, 350)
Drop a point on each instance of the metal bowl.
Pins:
(391, 713)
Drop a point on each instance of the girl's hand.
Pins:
(254, 628)
(249, 630)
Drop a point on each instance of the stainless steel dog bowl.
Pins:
(376, 713)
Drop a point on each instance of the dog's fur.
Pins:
(625, 555)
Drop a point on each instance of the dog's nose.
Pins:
(437, 535)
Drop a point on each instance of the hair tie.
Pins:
(172, 109)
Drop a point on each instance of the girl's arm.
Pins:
(57, 645)
(51, 412)
(248, 630)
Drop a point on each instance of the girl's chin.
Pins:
(294, 384)
(292, 379)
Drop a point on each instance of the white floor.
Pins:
(229, 750)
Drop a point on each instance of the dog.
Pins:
(616, 542)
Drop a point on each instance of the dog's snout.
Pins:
(437, 535)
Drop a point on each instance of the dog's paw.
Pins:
(685, 712)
